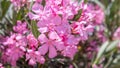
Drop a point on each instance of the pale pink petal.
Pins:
(52, 51)
(42, 38)
(57, 20)
(42, 23)
(43, 49)
(37, 8)
(72, 40)
(32, 62)
(33, 16)
(53, 35)
(89, 28)
(59, 45)
(43, 29)
(41, 59)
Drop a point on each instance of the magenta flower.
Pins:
(20, 27)
(13, 54)
(16, 40)
(34, 57)
(40, 12)
(81, 29)
(18, 3)
(64, 28)
(51, 44)
(92, 14)
(70, 51)
(49, 24)
(70, 42)
(66, 8)
(16, 44)
(32, 41)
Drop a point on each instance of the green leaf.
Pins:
(34, 28)
(4, 7)
(101, 51)
(112, 46)
(77, 16)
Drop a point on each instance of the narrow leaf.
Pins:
(112, 45)
(35, 29)
(101, 51)
(77, 16)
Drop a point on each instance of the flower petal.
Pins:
(52, 51)
(37, 8)
(59, 45)
(43, 29)
(32, 62)
(42, 38)
(53, 35)
(43, 49)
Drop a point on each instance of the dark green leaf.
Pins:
(35, 31)
(77, 16)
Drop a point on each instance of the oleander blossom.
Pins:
(17, 44)
(60, 31)
(21, 27)
(51, 44)
(82, 29)
(70, 51)
(18, 3)
(15, 48)
(32, 41)
(34, 57)
(55, 17)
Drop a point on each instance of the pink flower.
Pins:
(16, 44)
(49, 24)
(16, 40)
(71, 66)
(40, 12)
(82, 29)
(98, 13)
(34, 57)
(13, 54)
(32, 41)
(70, 51)
(52, 43)
(18, 3)
(100, 33)
(70, 40)
(20, 27)
(99, 16)
(92, 14)
(66, 8)
(63, 28)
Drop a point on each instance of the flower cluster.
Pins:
(18, 45)
(60, 31)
